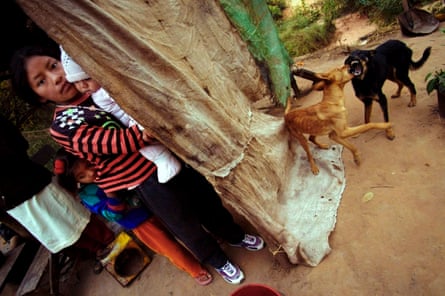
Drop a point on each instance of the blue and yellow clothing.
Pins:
(113, 209)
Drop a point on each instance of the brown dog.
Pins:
(328, 117)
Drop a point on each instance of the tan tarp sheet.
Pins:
(181, 69)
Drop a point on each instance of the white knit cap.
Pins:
(73, 71)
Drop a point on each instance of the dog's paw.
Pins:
(315, 170)
(390, 135)
(357, 160)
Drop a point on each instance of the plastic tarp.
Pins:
(257, 28)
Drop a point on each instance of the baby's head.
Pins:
(75, 74)
(71, 170)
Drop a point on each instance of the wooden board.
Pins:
(10, 260)
(35, 272)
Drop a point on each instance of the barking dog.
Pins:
(391, 60)
(328, 117)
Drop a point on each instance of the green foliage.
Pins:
(32, 121)
(299, 39)
(10, 106)
(435, 81)
(380, 11)
(276, 8)
(331, 10)
(437, 7)
(386, 10)
(309, 29)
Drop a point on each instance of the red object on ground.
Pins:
(255, 290)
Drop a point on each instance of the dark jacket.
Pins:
(21, 178)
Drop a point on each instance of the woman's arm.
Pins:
(85, 130)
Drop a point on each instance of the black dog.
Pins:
(391, 60)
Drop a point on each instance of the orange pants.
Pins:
(155, 236)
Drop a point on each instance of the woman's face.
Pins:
(47, 79)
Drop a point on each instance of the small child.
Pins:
(127, 212)
(168, 165)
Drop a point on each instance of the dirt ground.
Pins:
(389, 238)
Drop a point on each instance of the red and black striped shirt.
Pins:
(97, 136)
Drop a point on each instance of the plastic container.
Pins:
(255, 290)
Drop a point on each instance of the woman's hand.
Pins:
(147, 137)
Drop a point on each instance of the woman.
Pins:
(187, 204)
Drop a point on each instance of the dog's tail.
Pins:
(419, 63)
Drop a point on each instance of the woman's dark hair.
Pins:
(63, 169)
(19, 75)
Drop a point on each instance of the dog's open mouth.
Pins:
(355, 68)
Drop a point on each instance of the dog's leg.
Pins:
(368, 108)
(339, 137)
(399, 89)
(383, 102)
(304, 143)
(355, 130)
(412, 90)
(413, 99)
(393, 77)
(333, 136)
(402, 77)
(313, 139)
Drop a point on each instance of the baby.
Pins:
(168, 165)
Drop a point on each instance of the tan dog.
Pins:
(328, 117)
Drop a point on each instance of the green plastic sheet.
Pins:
(256, 26)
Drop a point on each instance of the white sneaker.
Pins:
(250, 242)
(231, 273)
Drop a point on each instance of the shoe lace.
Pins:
(229, 269)
(249, 239)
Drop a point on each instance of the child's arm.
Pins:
(103, 100)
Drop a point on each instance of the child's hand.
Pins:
(147, 137)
